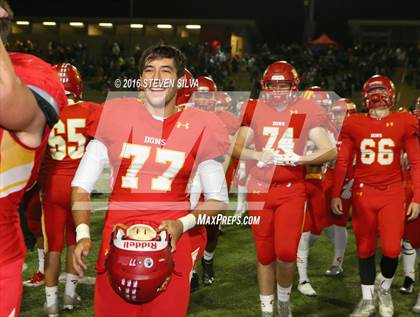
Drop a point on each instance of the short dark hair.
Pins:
(160, 51)
(5, 22)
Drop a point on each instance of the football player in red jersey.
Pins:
(206, 97)
(30, 97)
(66, 145)
(379, 209)
(336, 224)
(280, 124)
(153, 150)
(316, 216)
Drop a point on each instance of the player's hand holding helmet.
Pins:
(139, 263)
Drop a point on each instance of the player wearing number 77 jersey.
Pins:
(66, 146)
(280, 125)
(153, 151)
(377, 139)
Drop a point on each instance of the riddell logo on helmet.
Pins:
(140, 244)
(277, 77)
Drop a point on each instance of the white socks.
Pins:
(267, 303)
(208, 256)
(302, 257)
(367, 291)
(71, 284)
(283, 294)
(41, 260)
(386, 283)
(409, 259)
(329, 232)
(338, 235)
(51, 294)
(340, 243)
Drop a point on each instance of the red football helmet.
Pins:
(340, 109)
(70, 78)
(223, 101)
(344, 105)
(318, 95)
(204, 96)
(139, 262)
(279, 73)
(384, 98)
(186, 90)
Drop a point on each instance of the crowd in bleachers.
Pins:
(338, 69)
(331, 67)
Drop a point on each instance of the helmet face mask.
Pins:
(205, 94)
(279, 83)
(71, 80)
(204, 100)
(378, 92)
(378, 98)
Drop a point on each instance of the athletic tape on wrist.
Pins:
(82, 232)
(188, 222)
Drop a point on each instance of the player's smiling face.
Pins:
(159, 78)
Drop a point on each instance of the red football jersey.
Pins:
(378, 146)
(152, 159)
(68, 139)
(230, 121)
(284, 131)
(19, 164)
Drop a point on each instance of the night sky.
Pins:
(280, 20)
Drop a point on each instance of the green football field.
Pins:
(235, 292)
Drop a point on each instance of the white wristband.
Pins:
(188, 222)
(82, 232)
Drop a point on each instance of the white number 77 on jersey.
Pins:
(140, 154)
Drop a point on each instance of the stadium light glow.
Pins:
(105, 25)
(193, 26)
(22, 22)
(136, 26)
(77, 24)
(49, 23)
(164, 26)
